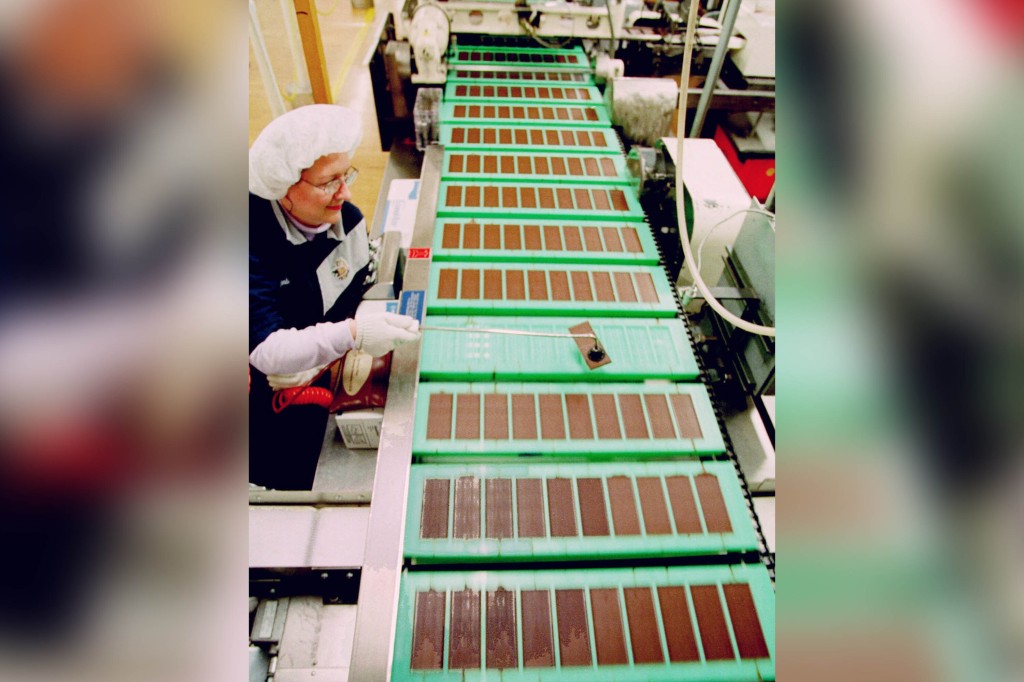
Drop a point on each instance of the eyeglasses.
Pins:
(334, 185)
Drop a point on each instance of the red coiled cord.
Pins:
(304, 395)
(301, 395)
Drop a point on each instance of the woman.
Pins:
(309, 266)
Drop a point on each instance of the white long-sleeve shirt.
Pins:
(287, 351)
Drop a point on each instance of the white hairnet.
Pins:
(292, 142)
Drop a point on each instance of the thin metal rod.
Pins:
(259, 48)
(517, 332)
(291, 26)
(728, 22)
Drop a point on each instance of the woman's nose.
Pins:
(343, 193)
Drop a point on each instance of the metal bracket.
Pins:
(334, 585)
(268, 625)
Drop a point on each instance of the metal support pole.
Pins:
(291, 29)
(259, 48)
(313, 47)
(728, 23)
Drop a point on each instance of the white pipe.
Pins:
(259, 48)
(723, 221)
(684, 238)
(291, 29)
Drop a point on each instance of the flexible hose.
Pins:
(301, 395)
(723, 221)
(684, 86)
(304, 395)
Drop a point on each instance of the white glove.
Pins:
(279, 381)
(379, 333)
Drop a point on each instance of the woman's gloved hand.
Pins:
(379, 333)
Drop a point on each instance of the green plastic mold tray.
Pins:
(589, 420)
(551, 201)
(535, 139)
(639, 348)
(550, 512)
(518, 114)
(474, 75)
(546, 289)
(522, 93)
(547, 241)
(673, 624)
(512, 166)
(519, 57)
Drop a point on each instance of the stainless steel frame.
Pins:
(728, 23)
(378, 590)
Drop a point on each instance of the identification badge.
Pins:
(341, 268)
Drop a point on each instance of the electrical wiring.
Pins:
(688, 257)
(704, 239)
(532, 32)
(304, 395)
(301, 395)
(611, 25)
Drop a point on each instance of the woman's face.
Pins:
(309, 202)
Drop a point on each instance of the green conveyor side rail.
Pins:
(533, 139)
(518, 114)
(522, 93)
(519, 240)
(518, 57)
(537, 200)
(601, 625)
(508, 166)
(545, 512)
(548, 289)
(463, 74)
(625, 421)
(639, 348)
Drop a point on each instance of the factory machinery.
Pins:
(555, 497)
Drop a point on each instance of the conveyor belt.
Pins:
(523, 289)
(579, 241)
(476, 200)
(522, 94)
(540, 512)
(596, 169)
(620, 420)
(523, 454)
(642, 624)
(463, 75)
(573, 58)
(526, 114)
(640, 349)
(534, 139)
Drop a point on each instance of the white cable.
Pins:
(684, 80)
(704, 239)
(532, 32)
(611, 26)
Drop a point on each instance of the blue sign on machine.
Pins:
(413, 304)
